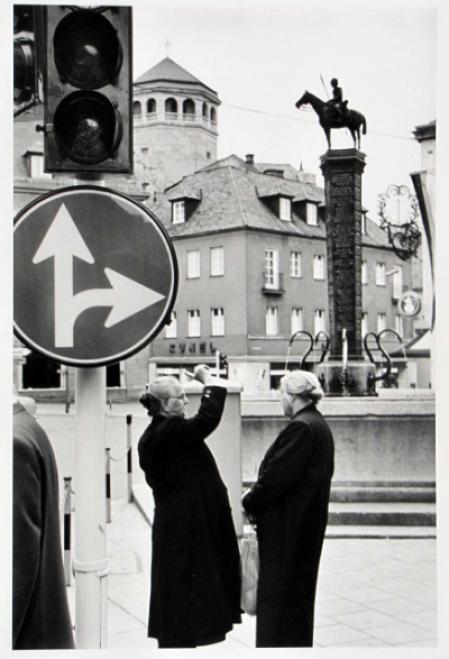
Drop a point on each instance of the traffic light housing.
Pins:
(87, 89)
(25, 67)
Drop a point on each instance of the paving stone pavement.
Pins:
(371, 592)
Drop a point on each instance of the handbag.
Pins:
(249, 563)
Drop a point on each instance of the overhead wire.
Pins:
(304, 120)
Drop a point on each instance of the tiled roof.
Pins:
(229, 161)
(274, 185)
(288, 171)
(374, 236)
(169, 71)
(184, 192)
(230, 200)
(230, 191)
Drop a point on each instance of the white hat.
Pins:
(302, 383)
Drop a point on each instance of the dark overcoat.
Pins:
(41, 618)
(290, 504)
(195, 575)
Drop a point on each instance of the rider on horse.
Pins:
(335, 113)
(336, 103)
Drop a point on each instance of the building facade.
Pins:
(251, 247)
(249, 238)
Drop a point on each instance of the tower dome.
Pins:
(175, 125)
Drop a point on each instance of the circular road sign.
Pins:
(410, 304)
(95, 276)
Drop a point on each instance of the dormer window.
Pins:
(285, 209)
(311, 214)
(179, 212)
(184, 201)
(35, 163)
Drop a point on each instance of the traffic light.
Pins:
(87, 89)
(25, 69)
(223, 362)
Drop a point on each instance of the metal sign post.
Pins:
(90, 564)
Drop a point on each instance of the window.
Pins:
(399, 324)
(171, 108)
(319, 321)
(216, 261)
(296, 320)
(179, 212)
(217, 322)
(364, 323)
(397, 282)
(114, 373)
(295, 264)
(271, 321)
(318, 266)
(381, 321)
(137, 109)
(363, 223)
(193, 322)
(151, 106)
(38, 372)
(271, 268)
(311, 214)
(193, 264)
(364, 272)
(188, 109)
(171, 331)
(36, 166)
(380, 274)
(285, 208)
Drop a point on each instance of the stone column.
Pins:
(342, 170)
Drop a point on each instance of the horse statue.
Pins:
(330, 118)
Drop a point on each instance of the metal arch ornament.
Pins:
(398, 210)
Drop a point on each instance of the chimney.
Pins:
(250, 158)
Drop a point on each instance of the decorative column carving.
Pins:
(342, 170)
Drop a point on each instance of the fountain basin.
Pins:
(357, 379)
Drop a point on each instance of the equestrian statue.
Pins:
(335, 113)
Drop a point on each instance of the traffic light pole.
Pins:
(87, 84)
(91, 563)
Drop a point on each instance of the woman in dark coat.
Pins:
(289, 504)
(41, 618)
(195, 575)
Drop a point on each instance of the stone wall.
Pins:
(376, 440)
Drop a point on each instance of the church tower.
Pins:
(175, 125)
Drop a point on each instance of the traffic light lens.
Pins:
(87, 50)
(87, 127)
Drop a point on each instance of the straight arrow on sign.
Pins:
(63, 242)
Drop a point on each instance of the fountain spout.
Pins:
(303, 358)
(344, 363)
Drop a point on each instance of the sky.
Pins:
(260, 60)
